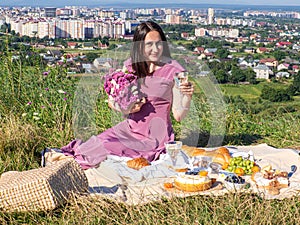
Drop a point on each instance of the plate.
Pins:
(234, 186)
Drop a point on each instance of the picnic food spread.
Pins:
(231, 172)
(274, 175)
(271, 180)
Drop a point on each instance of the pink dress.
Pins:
(142, 134)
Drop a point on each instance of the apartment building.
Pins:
(173, 19)
(68, 27)
(217, 32)
(211, 16)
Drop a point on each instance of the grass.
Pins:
(26, 129)
(228, 209)
(250, 91)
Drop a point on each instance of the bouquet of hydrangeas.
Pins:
(122, 89)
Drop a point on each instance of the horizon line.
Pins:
(141, 4)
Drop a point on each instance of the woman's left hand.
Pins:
(186, 88)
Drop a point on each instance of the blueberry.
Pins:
(197, 170)
(189, 172)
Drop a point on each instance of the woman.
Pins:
(148, 125)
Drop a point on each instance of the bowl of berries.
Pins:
(234, 182)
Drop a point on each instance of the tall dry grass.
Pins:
(228, 209)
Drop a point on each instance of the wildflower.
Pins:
(42, 106)
(29, 103)
(61, 92)
(36, 118)
(65, 99)
(46, 89)
(24, 114)
(46, 73)
(35, 113)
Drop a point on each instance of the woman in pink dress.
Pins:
(148, 125)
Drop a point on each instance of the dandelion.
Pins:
(61, 91)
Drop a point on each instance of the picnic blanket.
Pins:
(113, 179)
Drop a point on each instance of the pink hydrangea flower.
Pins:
(123, 88)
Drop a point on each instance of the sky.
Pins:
(58, 3)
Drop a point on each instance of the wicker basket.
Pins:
(43, 188)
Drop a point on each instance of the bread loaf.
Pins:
(220, 155)
(137, 163)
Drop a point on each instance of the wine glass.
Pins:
(181, 77)
(173, 148)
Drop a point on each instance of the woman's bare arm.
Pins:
(182, 97)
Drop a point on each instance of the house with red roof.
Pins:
(262, 50)
(206, 55)
(185, 35)
(272, 39)
(283, 44)
(71, 44)
(270, 62)
(295, 68)
(283, 66)
(199, 50)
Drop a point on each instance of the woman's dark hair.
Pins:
(139, 65)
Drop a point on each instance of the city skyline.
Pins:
(91, 3)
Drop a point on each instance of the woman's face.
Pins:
(153, 46)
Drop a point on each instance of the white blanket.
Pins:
(114, 179)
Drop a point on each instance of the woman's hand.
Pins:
(133, 109)
(182, 97)
(186, 88)
(137, 106)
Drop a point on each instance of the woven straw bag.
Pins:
(43, 188)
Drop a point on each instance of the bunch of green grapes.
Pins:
(240, 166)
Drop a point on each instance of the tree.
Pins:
(91, 56)
(250, 75)
(112, 46)
(237, 75)
(222, 53)
(294, 88)
(221, 76)
(5, 28)
(275, 95)
(279, 55)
